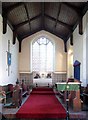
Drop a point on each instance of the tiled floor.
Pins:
(82, 115)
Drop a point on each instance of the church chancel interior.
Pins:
(43, 60)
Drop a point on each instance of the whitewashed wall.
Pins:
(80, 48)
(70, 72)
(4, 78)
(87, 47)
(59, 54)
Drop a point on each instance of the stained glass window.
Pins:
(42, 59)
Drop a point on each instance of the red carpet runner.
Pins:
(41, 105)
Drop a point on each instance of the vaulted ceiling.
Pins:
(58, 18)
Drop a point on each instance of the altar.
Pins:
(42, 82)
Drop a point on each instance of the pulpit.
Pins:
(71, 86)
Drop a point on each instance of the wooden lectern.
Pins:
(71, 86)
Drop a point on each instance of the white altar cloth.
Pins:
(42, 81)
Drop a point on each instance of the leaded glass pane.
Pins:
(42, 59)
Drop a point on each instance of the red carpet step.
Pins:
(42, 106)
(43, 90)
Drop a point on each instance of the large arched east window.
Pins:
(42, 56)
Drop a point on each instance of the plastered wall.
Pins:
(25, 63)
(13, 69)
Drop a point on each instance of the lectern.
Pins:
(70, 86)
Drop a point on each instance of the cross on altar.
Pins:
(70, 86)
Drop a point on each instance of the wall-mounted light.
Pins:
(70, 52)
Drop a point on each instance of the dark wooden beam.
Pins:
(65, 46)
(59, 8)
(81, 20)
(14, 36)
(4, 23)
(62, 23)
(5, 12)
(20, 42)
(0, 7)
(83, 13)
(81, 27)
(46, 29)
(85, 8)
(43, 10)
(74, 8)
(56, 34)
(29, 33)
(37, 30)
(25, 22)
(71, 39)
(78, 22)
(10, 8)
(25, 6)
(5, 16)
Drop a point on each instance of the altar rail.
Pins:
(27, 77)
